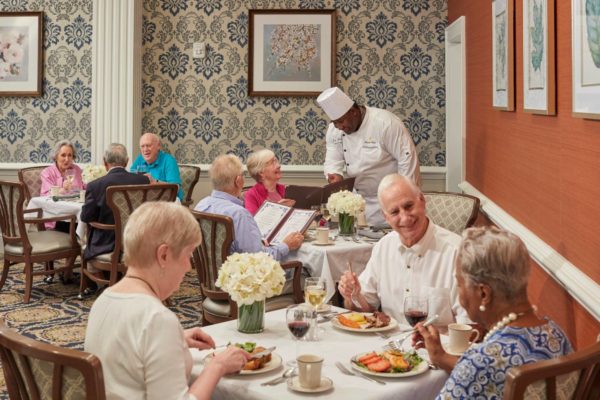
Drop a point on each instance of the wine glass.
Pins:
(416, 309)
(141, 169)
(315, 291)
(70, 177)
(298, 319)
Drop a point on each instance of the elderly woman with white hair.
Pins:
(264, 167)
(492, 272)
(143, 348)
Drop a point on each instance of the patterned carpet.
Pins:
(55, 314)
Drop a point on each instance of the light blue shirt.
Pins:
(247, 238)
(163, 169)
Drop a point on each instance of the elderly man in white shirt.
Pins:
(417, 258)
(368, 143)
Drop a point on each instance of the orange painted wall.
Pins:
(543, 170)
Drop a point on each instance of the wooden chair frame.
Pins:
(587, 361)
(24, 171)
(15, 233)
(187, 200)
(204, 261)
(15, 349)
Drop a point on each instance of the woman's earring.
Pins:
(482, 308)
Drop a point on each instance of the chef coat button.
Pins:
(408, 290)
(408, 266)
(344, 149)
(347, 165)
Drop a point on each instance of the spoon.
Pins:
(286, 374)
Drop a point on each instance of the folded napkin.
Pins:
(65, 197)
(370, 234)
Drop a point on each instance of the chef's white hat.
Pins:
(334, 102)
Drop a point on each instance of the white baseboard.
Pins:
(580, 286)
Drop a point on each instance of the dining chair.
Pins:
(21, 246)
(574, 376)
(453, 211)
(35, 370)
(122, 200)
(32, 180)
(217, 236)
(190, 175)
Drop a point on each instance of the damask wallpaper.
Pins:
(30, 126)
(390, 54)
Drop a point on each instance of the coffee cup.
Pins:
(460, 335)
(54, 190)
(322, 235)
(309, 370)
(82, 195)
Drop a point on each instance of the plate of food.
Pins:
(260, 365)
(390, 364)
(364, 322)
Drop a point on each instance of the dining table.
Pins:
(54, 208)
(335, 345)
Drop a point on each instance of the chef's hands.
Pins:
(333, 178)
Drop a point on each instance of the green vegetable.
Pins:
(248, 346)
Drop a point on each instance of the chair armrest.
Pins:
(297, 266)
(72, 219)
(98, 225)
(39, 211)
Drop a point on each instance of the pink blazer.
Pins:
(256, 196)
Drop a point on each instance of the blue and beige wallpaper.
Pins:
(30, 126)
(390, 54)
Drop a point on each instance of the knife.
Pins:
(263, 353)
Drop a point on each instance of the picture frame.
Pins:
(503, 53)
(21, 57)
(539, 57)
(279, 65)
(586, 65)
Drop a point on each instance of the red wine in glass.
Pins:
(414, 317)
(416, 309)
(298, 328)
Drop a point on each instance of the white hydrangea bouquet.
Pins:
(346, 205)
(92, 172)
(250, 278)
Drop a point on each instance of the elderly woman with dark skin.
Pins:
(264, 167)
(143, 348)
(492, 272)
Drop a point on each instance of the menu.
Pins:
(276, 221)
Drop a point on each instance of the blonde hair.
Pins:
(155, 223)
(223, 171)
(496, 258)
(258, 161)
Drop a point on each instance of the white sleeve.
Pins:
(399, 144)
(334, 156)
(163, 350)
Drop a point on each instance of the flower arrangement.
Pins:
(92, 172)
(251, 277)
(345, 202)
(11, 54)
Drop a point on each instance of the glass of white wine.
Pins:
(315, 290)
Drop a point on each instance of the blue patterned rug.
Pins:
(55, 314)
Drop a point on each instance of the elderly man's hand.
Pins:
(348, 284)
(294, 240)
(333, 178)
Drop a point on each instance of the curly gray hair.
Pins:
(60, 145)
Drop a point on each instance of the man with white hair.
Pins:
(415, 259)
(227, 176)
(368, 143)
(157, 165)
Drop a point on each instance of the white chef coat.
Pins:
(382, 145)
(424, 269)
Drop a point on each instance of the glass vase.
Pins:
(346, 224)
(251, 317)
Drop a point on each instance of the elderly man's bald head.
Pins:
(396, 179)
(149, 147)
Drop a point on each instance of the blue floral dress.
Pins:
(481, 371)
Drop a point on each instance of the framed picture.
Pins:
(21, 53)
(539, 90)
(503, 66)
(586, 58)
(291, 52)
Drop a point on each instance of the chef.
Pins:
(369, 143)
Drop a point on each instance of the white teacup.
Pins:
(309, 370)
(460, 335)
(322, 235)
(361, 219)
(54, 190)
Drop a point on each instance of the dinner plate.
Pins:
(270, 366)
(418, 370)
(331, 242)
(393, 323)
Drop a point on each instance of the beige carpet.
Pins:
(55, 314)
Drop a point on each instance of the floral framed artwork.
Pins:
(539, 90)
(586, 58)
(21, 53)
(503, 67)
(291, 52)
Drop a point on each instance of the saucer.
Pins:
(294, 384)
(447, 349)
(331, 242)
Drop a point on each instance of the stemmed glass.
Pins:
(141, 169)
(298, 319)
(70, 177)
(315, 291)
(416, 309)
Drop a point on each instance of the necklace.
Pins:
(145, 281)
(505, 321)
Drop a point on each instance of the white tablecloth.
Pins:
(330, 262)
(55, 208)
(335, 345)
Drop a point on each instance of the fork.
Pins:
(346, 371)
(384, 335)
